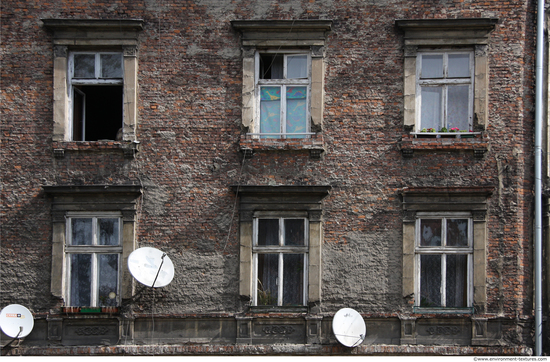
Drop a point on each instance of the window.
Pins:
(94, 79)
(280, 259)
(445, 90)
(283, 77)
(93, 257)
(444, 250)
(439, 87)
(97, 89)
(282, 88)
(93, 231)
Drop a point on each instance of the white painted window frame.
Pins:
(443, 250)
(444, 82)
(283, 83)
(94, 250)
(98, 80)
(281, 249)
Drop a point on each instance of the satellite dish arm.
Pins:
(158, 271)
(16, 337)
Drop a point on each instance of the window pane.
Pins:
(111, 65)
(81, 273)
(456, 281)
(296, 110)
(270, 110)
(293, 277)
(432, 66)
(84, 65)
(294, 232)
(430, 111)
(268, 232)
(459, 65)
(457, 232)
(296, 66)
(271, 66)
(458, 106)
(108, 231)
(108, 279)
(430, 280)
(430, 232)
(268, 271)
(81, 231)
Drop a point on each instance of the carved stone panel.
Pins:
(439, 332)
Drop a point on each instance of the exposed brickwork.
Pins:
(189, 155)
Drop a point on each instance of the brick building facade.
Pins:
(291, 158)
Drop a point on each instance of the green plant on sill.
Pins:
(443, 130)
(265, 297)
(431, 130)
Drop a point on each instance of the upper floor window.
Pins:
(445, 91)
(439, 87)
(94, 79)
(282, 89)
(97, 95)
(93, 260)
(283, 77)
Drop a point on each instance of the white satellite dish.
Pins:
(151, 267)
(349, 327)
(16, 321)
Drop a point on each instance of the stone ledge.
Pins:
(314, 144)
(411, 144)
(129, 149)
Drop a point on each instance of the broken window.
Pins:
(282, 89)
(93, 260)
(445, 90)
(280, 259)
(97, 95)
(444, 249)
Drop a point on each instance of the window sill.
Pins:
(250, 144)
(90, 310)
(129, 149)
(273, 309)
(442, 310)
(414, 142)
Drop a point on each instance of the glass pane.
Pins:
(81, 280)
(296, 66)
(293, 278)
(458, 107)
(430, 280)
(270, 110)
(81, 229)
(430, 111)
(84, 65)
(430, 232)
(268, 232)
(459, 65)
(432, 66)
(271, 66)
(457, 232)
(268, 271)
(108, 231)
(111, 65)
(108, 279)
(456, 278)
(296, 102)
(294, 232)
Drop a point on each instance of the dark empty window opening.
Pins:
(97, 112)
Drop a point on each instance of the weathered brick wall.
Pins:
(189, 127)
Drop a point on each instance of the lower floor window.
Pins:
(444, 249)
(93, 257)
(280, 259)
